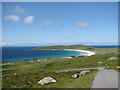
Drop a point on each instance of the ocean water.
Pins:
(22, 53)
(105, 46)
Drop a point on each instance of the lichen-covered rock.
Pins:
(99, 62)
(118, 67)
(15, 74)
(76, 76)
(84, 72)
(29, 84)
(46, 80)
(113, 58)
(57, 72)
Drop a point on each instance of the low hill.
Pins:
(61, 47)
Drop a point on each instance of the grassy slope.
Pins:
(33, 72)
(64, 80)
(61, 47)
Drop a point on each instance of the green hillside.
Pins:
(61, 47)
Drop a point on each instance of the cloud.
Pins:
(13, 18)
(46, 23)
(29, 20)
(81, 24)
(18, 9)
(4, 44)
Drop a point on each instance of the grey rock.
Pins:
(113, 58)
(76, 76)
(46, 80)
(16, 74)
(100, 62)
(84, 72)
(29, 84)
(57, 72)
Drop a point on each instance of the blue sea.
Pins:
(12, 54)
(105, 46)
(16, 54)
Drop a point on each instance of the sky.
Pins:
(54, 23)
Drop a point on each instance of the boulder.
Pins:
(99, 62)
(84, 72)
(15, 74)
(57, 72)
(113, 58)
(29, 84)
(76, 76)
(118, 67)
(46, 80)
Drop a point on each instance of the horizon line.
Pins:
(63, 44)
(60, 1)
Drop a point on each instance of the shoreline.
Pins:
(89, 53)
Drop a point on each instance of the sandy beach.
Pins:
(88, 53)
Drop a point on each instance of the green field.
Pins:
(35, 71)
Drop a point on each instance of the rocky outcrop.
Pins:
(15, 74)
(113, 58)
(100, 62)
(76, 76)
(84, 72)
(46, 80)
(80, 74)
(29, 84)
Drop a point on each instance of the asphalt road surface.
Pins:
(75, 69)
(106, 79)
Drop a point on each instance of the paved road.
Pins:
(74, 69)
(106, 79)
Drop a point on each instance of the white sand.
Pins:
(88, 53)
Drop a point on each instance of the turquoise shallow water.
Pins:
(22, 53)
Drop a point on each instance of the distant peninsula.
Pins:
(62, 47)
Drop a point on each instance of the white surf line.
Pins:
(89, 53)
